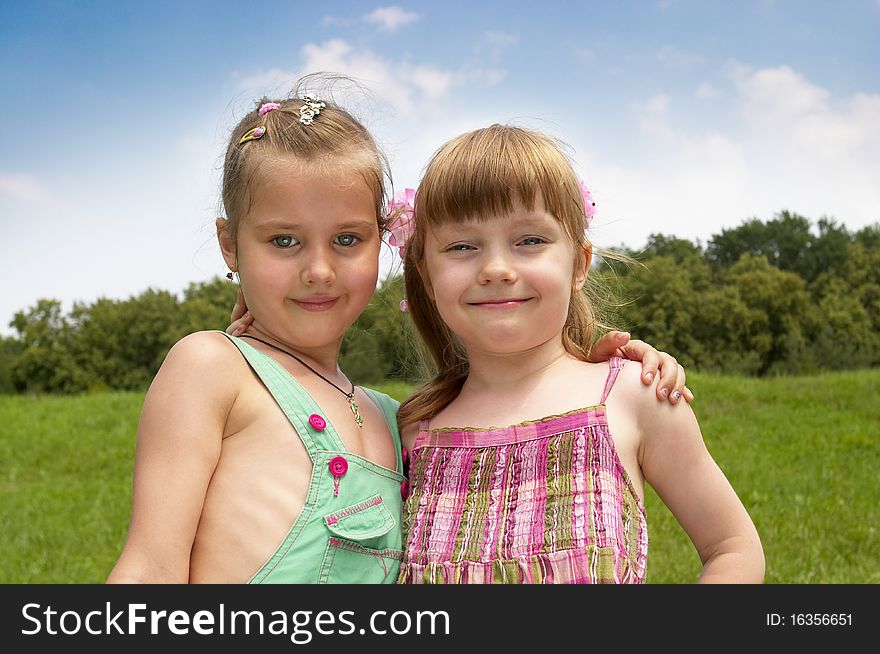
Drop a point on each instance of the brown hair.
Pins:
(334, 141)
(475, 176)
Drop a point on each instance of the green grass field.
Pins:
(802, 452)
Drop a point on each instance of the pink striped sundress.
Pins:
(540, 502)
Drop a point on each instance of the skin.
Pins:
(503, 287)
(220, 474)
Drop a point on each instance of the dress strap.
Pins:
(615, 364)
(292, 398)
(423, 435)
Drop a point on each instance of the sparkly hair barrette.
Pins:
(259, 132)
(312, 107)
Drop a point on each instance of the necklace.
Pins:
(350, 395)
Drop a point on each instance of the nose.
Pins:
(318, 268)
(497, 266)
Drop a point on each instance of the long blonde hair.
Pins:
(475, 176)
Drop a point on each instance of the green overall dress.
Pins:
(349, 530)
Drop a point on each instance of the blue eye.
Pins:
(284, 241)
(533, 240)
(459, 247)
(347, 240)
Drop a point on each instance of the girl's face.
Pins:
(307, 254)
(503, 285)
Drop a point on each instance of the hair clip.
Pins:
(589, 203)
(254, 134)
(266, 107)
(402, 227)
(311, 108)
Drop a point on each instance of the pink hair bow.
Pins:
(589, 203)
(402, 226)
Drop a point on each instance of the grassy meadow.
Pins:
(802, 452)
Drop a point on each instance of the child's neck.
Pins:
(324, 359)
(492, 373)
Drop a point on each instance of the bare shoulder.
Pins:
(203, 349)
(203, 355)
(628, 389)
(200, 365)
(657, 422)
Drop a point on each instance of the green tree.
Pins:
(786, 242)
(779, 315)
(123, 343)
(658, 301)
(10, 350)
(46, 363)
(206, 305)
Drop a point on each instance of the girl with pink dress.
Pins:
(527, 463)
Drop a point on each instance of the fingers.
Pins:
(688, 395)
(240, 307)
(636, 350)
(672, 378)
(240, 318)
(239, 327)
(607, 346)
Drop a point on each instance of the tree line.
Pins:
(782, 296)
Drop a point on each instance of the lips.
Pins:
(317, 303)
(500, 303)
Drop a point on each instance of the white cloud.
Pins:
(398, 83)
(390, 18)
(824, 151)
(498, 42)
(411, 89)
(432, 82)
(337, 21)
(706, 91)
(21, 187)
(789, 145)
(652, 116)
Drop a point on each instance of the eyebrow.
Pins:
(280, 225)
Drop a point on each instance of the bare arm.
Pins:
(676, 463)
(178, 446)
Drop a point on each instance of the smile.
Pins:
(317, 303)
(509, 303)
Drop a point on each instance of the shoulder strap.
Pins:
(614, 366)
(389, 407)
(293, 399)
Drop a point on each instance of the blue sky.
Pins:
(684, 117)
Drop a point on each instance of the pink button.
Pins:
(404, 489)
(317, 422)
(338, 466)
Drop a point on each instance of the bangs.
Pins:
(483, 174)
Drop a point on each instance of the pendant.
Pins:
(356, 413)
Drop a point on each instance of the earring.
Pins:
(229, 275)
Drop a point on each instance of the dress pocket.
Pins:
(358, 549)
